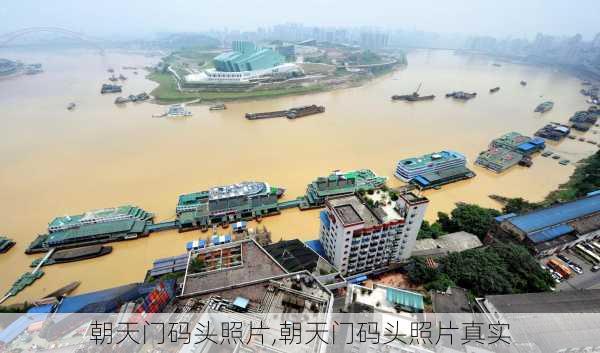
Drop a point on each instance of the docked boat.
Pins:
(122, 78)
(494, 90)
(108, 88)
(544, 107)
(71, 106)
(75, 254)
(217, 107)
(564, 162)
(113, 78)
(409, 168)
(61, 292)
(555, 132)
(177, 110)
(461, 95)
(142, 97)
(121, 100)
(5, 244)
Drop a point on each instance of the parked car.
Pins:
(595, 268)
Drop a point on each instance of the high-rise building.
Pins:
(369, 231)
(246, 56)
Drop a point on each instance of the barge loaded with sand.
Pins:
(292, 113)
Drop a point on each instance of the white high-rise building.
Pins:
(361, 233)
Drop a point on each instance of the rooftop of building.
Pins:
(555, 215)
(453, 242)
(253, 264)
(293, 255)
(572, 301)
(377, 208)
(453, 300)
(431, 159)
(512, 139)
(498, 155)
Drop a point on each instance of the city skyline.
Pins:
(134, 18)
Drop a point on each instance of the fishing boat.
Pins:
(523, 83)
(494, 90)
(71, 106)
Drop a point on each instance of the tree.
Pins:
(519, 205)
(473, 218)
(446, 223)
(430, 230)
(197, 265)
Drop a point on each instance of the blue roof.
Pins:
(421, 180)
(526, 146)
(537, 141)
(504, 217)
(562, 213)
(316, 246)
(19, 325)
(358, 279)
(550, 233)
(104, 301)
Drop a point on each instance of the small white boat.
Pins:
(177, 110)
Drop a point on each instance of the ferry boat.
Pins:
(177, 110)
(409, 168)
(227, 204)
(544, 107)
(340, 183)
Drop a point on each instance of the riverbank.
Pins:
(168, 90)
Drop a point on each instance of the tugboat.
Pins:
(71, 106)
(544, 107)
(461, 95)
(220, 106)
(5, 244)
(523, 83)
(494, 90)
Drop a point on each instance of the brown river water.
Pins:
(55, 162)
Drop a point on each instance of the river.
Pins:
(58, 162)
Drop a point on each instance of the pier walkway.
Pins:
(291, 203)
(157, 227)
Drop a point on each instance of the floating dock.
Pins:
(434, 180)
(71, 255)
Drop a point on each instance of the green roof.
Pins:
(96, 229)
(101, 215)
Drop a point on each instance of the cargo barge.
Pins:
(227, 204)
(409, 168)
(291, 113)
(337, 184)
(93, 227)
(72, 255)
(5, 244)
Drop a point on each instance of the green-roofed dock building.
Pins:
(94, 227)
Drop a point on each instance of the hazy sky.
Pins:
(490, 17)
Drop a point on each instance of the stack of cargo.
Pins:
(156, 300)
